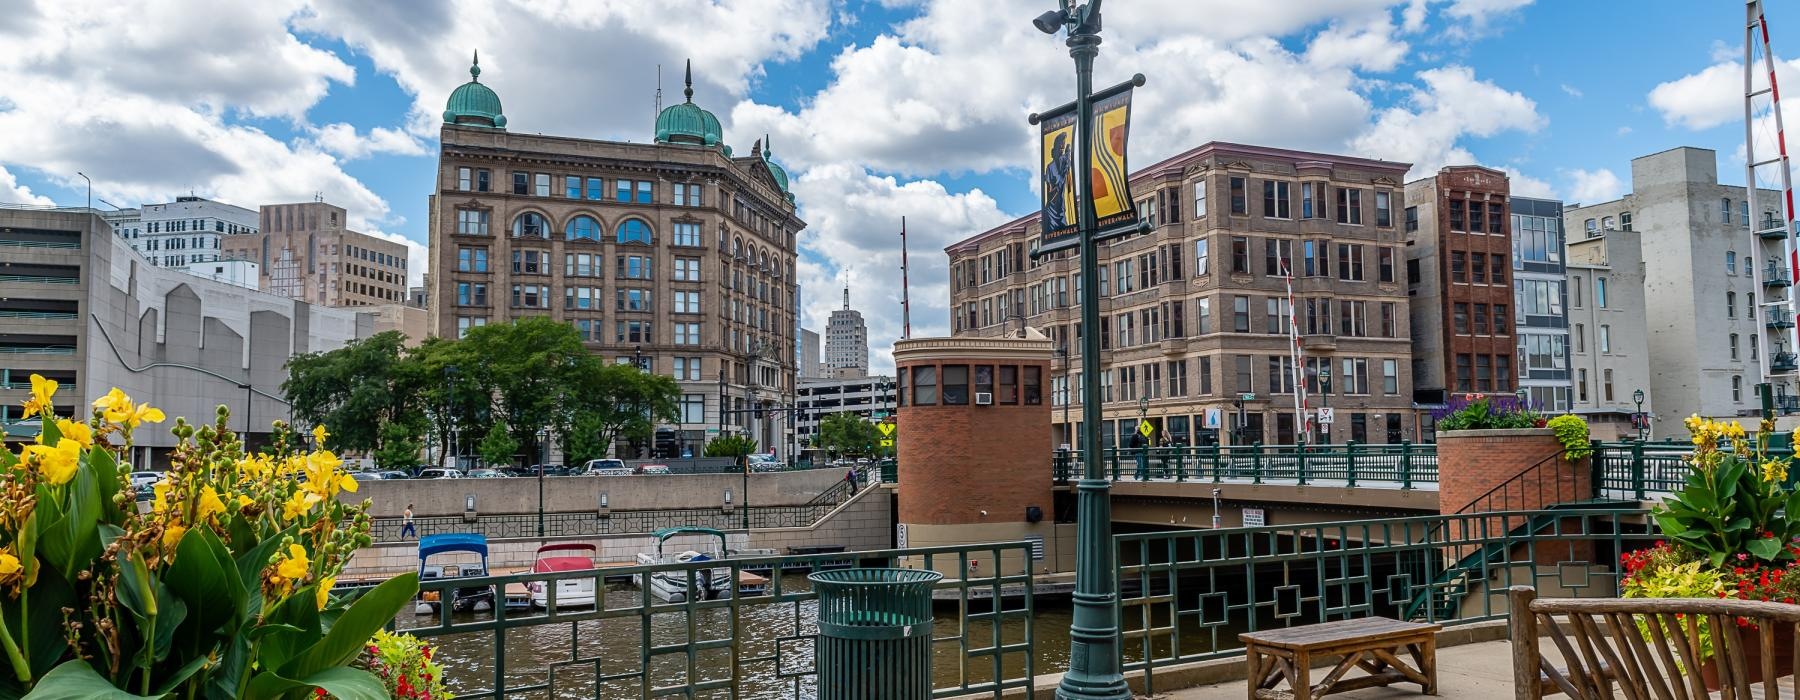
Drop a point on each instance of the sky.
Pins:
(877, 108)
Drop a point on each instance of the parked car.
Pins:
(485, 474)
(605, 467)
(144, 480)
(651, 469)
(390, 475)
(440, 474)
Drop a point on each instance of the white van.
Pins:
(605, 467)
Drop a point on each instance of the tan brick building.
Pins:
(673, 253)
(1459, 271)
(1194, 314)
(306, 251)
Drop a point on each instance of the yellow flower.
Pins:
(319, 435)
(1774, 470)
(210, 505)
(145, 414)
(56, 464)
(41, 391)
(115, 406)
(298, 505)
(324, 590)
(9, 564)
(172, 536)
(71, 430)
(244, 500)
(159, 494)
(323, 477)
(295, 565)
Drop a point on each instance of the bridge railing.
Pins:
(1404, 465)
(1186, 595)
(635, 644)
(1643, 469)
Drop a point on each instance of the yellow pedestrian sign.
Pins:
(1145, 428)
(887, 429)
(887, 442)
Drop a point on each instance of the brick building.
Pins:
(673, 253)
(1459, 278)
(307, 251)
(1194, 314)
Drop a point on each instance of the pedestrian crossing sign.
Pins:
(1145, 428)
(886, 429)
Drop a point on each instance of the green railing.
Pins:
(1185, 596)
(744, 646)
(48, 350)
(65, 245)
(1643, 469)
(42, 279)
(1406, 465)
(61, 315)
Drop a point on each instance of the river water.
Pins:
(568, 656)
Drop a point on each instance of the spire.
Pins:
(768, 145)
(689, 90)
(846, 289)
(475, 67)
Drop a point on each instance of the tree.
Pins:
(358, 391)
(499, 446)
(609, 402)
(400, 445)
(730, 446)
(847, 434)
(526, 368)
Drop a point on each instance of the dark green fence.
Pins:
(1185, 596)
(761, 646)
(1405, 465)
(1643, 469)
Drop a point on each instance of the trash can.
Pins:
(874, 633)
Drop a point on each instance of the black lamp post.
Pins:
(543, 454)
(449, 418)
(1095, 665)
(1638, 397)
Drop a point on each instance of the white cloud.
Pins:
(1593, 186)
(1623, 131)
(1571, 90)
(1714, 95)
(11, 192)
(1452, 104)
(1475, 16)
(1523, 185)
(1371, 46)
(341, 139)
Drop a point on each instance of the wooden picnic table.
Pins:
(1373, 644)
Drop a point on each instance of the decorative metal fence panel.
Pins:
(634, 644)
(1185, 596)
(1643, 469)
(1405, 465)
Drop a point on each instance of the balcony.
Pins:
(1771, 228)
(1775, 275)
(1784, 362)
(1174, 346)
(1778, 318)
(1318, 341)
(1787, 405)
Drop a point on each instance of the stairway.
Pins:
(1440, 599)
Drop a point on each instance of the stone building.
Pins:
(673, 253)
(1194, 314)
(1609, 337)
(846, 343)
(307, 251)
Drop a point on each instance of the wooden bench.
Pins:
(1373, 644)
(1602, 645)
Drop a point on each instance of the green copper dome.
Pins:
(687, 122)
(775, 169)
(474, 104)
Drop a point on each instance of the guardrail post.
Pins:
(1597, 467)
(1350, 463)
(1216, 448)
(1406, 464)
(1256, 462)
(1300, 464)
(1637, 469)
(1114, 453)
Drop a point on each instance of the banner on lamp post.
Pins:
(1114, 211)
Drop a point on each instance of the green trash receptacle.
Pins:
(874, 633)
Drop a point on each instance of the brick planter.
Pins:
(1512, 470)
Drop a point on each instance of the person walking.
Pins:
(406, 523)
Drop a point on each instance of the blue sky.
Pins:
(879, 109)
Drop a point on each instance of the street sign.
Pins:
(1247, 396)
(1145, 428)
(1215, 418)
(886, 429)
(887, 442)
(1254, 517)
(712, 431)
(878, 415)
(1325, 414)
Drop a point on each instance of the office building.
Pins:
(189, 234)
(810, 366)
(672, 252)
(306, 251)
(1459, 283)
(1715, 290)
(1540, 303)
(869, 398)
(1609, 336)
(79, 306)
(1195, 315)
(846, 343)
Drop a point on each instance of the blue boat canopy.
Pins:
(668, 532)
(452, 542)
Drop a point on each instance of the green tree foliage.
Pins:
(400, 445)
(847, 434)
(730, 446)
(498, 447)
(358, 391)
(608, 402)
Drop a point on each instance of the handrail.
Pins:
(1404, 463)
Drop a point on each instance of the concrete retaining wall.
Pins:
(582, 493)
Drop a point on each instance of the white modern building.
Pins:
(863, 396)
(846, 343)
(1609, 342)
(1712, 278)
(810, 366)
(188, 234)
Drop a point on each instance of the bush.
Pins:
(1488, 413)
(404, 665)
(1572, 432)
(730, 446)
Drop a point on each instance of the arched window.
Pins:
(530, 224)
(737, 248)
(634, 231)
(765, 261)
(582, 227)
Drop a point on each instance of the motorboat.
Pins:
(462, 598)
(680, 585)
(561, 557)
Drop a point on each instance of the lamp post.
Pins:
(1325, 397)
(449, 417)
(1094, 660)
(1068, 431)
(246, 387)
(1638, 397)
(543, 454)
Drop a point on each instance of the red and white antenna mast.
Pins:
(1773, 234)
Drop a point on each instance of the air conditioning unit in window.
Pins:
(984, 398)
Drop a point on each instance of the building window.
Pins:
(465, 179)
(687, 302)
(1731, 304)
(595, 191)
(1600, 292)
(1201, 259)
(471, 260)
(687, 269)
(1384, 213)
(687, 368)
(633, 231)
(582, 227)
(1278, 257)
(521, 183)
(531, 296)
(469, 222)
(583, 298)
(1240, 314)
(1581, 337)
(1276, 203)
(1605, 339)
(1731, 261)
(924, 385)
(687, 235)
(530, 262)
(1465, 373)
(1725, 210)
(1390, 377)
(1412, 219)
(1240, 255)
(1239, 204)
(1460, 314)
(687, 194)
(1350, 262)
(541, 184)
(687, 334)
(464, 323)
(1737, 387)
(1385, 264)
(529, 224)
(581, 265)
(631, 299)
(571, 187)
(1203, 316)
(1349, 206)
(692, 408)
(1199, 198)
(633, 332)
(1733, 344)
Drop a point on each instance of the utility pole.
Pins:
(905, 287)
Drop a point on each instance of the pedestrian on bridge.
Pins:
(406, 523)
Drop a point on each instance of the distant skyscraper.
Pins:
(810, 366)
(846, 343)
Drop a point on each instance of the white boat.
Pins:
(565, 557)
(683, 584)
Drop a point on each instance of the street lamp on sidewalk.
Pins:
(1638, 397)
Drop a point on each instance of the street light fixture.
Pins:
(1638, 397)
(543, 454)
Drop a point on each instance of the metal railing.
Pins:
(1642, 469)
(744, 646)
(62, 315)
(65, 245)
(37, 350)
(40, 279)
(1185, 596)
(1405, 464)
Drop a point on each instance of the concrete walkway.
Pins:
(1467, 672)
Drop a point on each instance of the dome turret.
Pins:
(687, 122)
(775, 169)
(474, 104)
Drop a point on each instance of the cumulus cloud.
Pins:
(1476, 16)
(11, 192)
(341, 139)
(1451, 104)
(1593, 186)
(1714, 95)
(1523, 185)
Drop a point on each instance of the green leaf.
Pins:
(1765, 549)
(203, 576)
(1716, 558)
(354, 628)
(48, 597)
(277, 647)
(106, 477)
(250, 564)
(70, 539)
(266, 629)
(76, 680)
(1738, 525)
(1671, 524)
(340, 682)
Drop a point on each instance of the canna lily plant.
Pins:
(1735, 506)
(219, 588)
